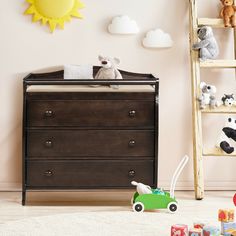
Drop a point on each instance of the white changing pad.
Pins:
(86, 88)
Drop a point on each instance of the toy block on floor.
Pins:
(226, 215)
(233, 233)
(195, 232)
(198, 225)
(211, 231)
(179, 230)
(228, 228)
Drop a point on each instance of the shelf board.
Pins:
(218, 64)
(221, 109)
(217, 152)
(213, 22)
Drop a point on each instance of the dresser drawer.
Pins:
(91, 113)
(88, 174)
(90, 143)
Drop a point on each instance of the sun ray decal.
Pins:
(54, 12)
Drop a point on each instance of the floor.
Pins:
(44, 204)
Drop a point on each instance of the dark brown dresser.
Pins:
(77, 136)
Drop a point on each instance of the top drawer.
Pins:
(91, 113)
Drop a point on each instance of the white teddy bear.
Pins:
(109, 70)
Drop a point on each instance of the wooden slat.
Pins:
(196, 113)
(217, 152)
(213, 22)
(218, 64)
(220, 109)
(235, 46)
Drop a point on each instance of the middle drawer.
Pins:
(90, 143)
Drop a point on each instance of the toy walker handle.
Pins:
(176, 175)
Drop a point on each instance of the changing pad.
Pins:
(85, 88)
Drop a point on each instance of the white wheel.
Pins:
(172, 207)
(138, 207)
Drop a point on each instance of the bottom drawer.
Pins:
(89, 173)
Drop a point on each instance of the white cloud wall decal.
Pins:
(123, 25)
(157, 39)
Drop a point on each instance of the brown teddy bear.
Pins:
(228, 13)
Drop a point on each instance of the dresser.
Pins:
(77, 136)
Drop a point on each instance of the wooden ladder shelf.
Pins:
(196, 65)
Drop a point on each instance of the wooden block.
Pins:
(179, 230)
(228, 228)
(198, 225)
(211, 231)
(226, 215)
(195, 232)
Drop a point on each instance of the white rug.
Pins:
(93, 224)
(118, 222)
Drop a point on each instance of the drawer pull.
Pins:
(48, 113)
(48, 143)
(48, 173)
(131, 173)
(132, 113)
(132, 143)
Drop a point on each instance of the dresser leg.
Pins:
(23, 198)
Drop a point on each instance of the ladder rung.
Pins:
(217, 152)
(218, 64)
(213, 22)
(220, 109)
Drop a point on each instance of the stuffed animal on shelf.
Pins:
(228, 13)
(227, 136)
(207, 96)
(109, 70)
(228, 100)
(207, 46)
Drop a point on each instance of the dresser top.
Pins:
(54, 82)
(58, 75)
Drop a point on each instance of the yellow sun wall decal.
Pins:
(54, 12)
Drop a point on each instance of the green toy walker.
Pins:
(146, 198)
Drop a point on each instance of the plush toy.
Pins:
(207, 96)
(227, 136)
(109, 70)
(228, 100)
(228, 13)
(208, 46)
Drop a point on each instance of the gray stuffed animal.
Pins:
(109, 70)
(208, 45)
(207, 96)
